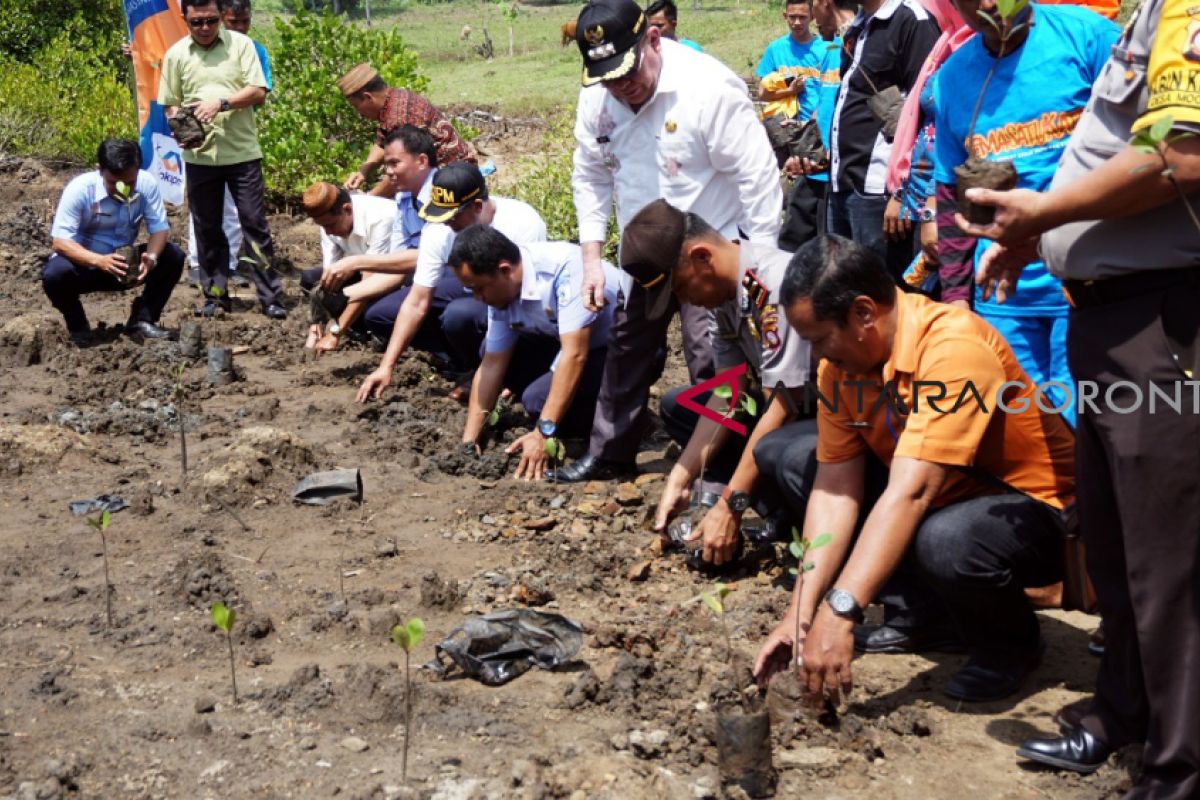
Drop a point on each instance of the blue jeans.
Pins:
(1040, 345)
(859, 217)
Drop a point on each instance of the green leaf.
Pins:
(1005, 8)
(223, 617)
(796, 549)
(821, 541)
(809, 567)
(793, 571)
(1146, 150)
(416, 631)
(1159, 130)
(400, 636)
(554, 448)
(751, 405)
(724, 391)
(713, 602)
(493, 418)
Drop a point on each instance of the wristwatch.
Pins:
(927, 214)
(224, 103)
(547, 427)
(844, 605)
(738, 502)
(335, 327)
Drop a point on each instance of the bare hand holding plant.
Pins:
(825, 665)
(374, 384)
(534, 457)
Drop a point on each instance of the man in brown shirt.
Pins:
(392, 108)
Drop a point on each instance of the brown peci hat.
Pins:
(354, 80)
(320, 198)
(650, 249)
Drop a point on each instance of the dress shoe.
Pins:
(214, 307)
(275, 311)
(1071, 715)
(148, 330)
(590, 468)
(82, 337)
(993, 677)
(888, 639)
(1096, 641)
(1078, 751)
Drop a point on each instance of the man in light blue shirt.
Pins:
(98, 219)
(542, 342)
(664, 15)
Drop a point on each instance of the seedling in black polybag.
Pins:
(224, 618)
(407, 636)
(800, 548)
(100, 523)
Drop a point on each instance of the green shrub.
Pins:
(27, 26)
(544, 181)
(72, 99)
(307, 130)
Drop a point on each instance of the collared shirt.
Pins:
(192, 74)
(1148, 77)
(406, 232)
(264, 61)
(788, 57)
(936, 343)
(886, 49)
(516, 220)
(697, 143)
(404, 107)
(87, 215)
(370, 232)
(751, 329)
(551, 299)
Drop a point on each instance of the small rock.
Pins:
(656, 547)
(810, 758)
(610, 509)
(205, 704)
(214, 769)
(488, 519)
(647, 478)
(354, 744)
(386, 549)
(647, 744)
(558, 501)
(619, 741)
(308, 743)
(629, 495)
(199, 726)
(540, 524)
(580, 528)
(380, 621)
(639, 571)
(595, 487)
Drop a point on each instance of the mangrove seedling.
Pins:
(179, 394)
(224, 617)
(800, 548)
(715, 600)
(100, 523)
(126, 194)
(557, 452)
(407, 636)
(977, 171)
(1154, 141)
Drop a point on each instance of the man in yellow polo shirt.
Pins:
(217, 74)
(976, 472)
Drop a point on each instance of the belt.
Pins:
(1085, 294)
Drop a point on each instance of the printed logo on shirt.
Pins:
(771, 340)
(1051, 127)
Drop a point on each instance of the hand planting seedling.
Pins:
(557, 452)
(100, 523)
(978, 171)
(800, 548)
(407, 636)
(1154, 141)
(224, 618)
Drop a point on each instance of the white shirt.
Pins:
(551, 299)
(697, 143)
(519, 221)
(370, 234)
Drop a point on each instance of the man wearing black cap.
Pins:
(656, 119)
(459, 199)
(670, 253)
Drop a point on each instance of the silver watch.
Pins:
(335, 327)
(844, 605)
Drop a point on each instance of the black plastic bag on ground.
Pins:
(106, 502)
(497, 647)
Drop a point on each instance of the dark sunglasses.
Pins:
(203, 22)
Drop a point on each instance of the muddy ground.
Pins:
(144, 709)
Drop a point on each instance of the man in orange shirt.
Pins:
(976, 472)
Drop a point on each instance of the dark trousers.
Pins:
(206, 199)
(968, 564)
(859, 217)
(636, 356)
(529, 377)
(1139, 512)
(64, 281)
(806, 214)
(453, 328)
(681, 422)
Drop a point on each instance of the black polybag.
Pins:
(105, 502)
(497, 647)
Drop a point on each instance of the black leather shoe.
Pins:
(275, 311)
(993, 677)
(1078, 751)
(590, 468)
(148, 330)
(1071, 715)
(213, 307)
(886, 639)
(82, 337)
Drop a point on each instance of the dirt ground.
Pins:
(144, 709)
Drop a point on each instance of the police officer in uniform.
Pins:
(1122, 234)
(673, 255)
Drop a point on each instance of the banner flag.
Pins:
(153, 26)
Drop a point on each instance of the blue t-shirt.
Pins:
(1035, 97)
(266, 64)
(830, 80)
(919, 185)
(788, 57)
(694, 45)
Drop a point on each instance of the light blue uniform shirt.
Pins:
(406, 231)
(88, 216)
(551, 299)
(266, 64)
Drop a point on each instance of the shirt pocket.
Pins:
(678, 158)
(1122, 83)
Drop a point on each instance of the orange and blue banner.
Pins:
(153, 26)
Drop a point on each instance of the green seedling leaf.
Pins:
(216, 291)
(416, 631)
(712, 602)
(554, 448)
(821, 541)
(400, 636)
(750, 405)
(809, 566)
(101, 522)
(493, 418)
(223, 617)
(1159, 130)
(724, 391)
